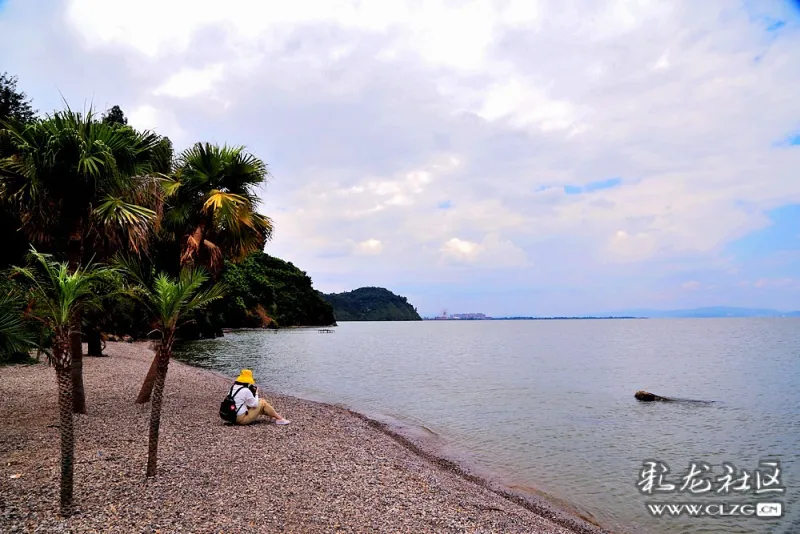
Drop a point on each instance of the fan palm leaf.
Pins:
(211, 202)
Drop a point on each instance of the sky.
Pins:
(510, 157)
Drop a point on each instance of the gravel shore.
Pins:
(330, 470)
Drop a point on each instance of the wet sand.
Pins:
(330, 470)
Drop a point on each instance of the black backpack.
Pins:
(228, 408)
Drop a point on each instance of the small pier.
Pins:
(326, 331)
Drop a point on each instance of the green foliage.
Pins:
(17, 338)
(59, 294)
(14, 104)
(210, 205)
(263, 288)
(15, 244)
(115, 116)
(167, 299)
(77, 180)
(371, 304)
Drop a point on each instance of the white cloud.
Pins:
(776, 283)
(191, 82)
(370, 247)
(430, 135)
(460, 249)
(161, 121)
(492, 251)
(632, 247)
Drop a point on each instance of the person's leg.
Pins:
(249, 416)
(266, 408)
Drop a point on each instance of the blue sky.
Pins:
(517, 157)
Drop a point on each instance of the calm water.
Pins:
(549, 404)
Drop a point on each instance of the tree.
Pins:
(210, 212)
(211, 205)
(267, 291)
(115, 116)
(14, 104)
(81, 187)
(60, 293)
(15, 337)
(168, 300)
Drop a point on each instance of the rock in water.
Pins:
(646, 396)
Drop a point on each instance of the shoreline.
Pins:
(331, 469)
(530, 498)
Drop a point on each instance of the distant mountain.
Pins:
(712, 311)
(371, 304)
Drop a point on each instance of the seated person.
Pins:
(246, 396)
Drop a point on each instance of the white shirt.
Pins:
(244, 399)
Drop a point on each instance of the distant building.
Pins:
(469, 316)
(459, 317)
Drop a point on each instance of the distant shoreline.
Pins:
(528, 318)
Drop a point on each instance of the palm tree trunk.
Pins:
(155, 410)
(76, 348)
(94, 342)
(75, 252)
(64, 375)
(149, 380)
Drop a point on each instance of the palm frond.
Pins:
(59, 293)
(171, 299)
(125, 222)
(61, 167)
(15, 337)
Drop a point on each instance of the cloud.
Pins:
(596, 153)
(776, 283)
(191, 82)
(493, 252)
(460, 250)
(369, 247)
(161, 121)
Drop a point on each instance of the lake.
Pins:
(550, 404)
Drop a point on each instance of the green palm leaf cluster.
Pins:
(75, 179)
(61, 294)
(168, 300)
(15, 337)
(211, 203)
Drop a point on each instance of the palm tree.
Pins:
(81, 187)
(60, 293)
(211, 205)
(210, 212)
(169, 301)
(15, 337)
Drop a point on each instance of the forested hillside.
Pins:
(264, 290)
(371, 304)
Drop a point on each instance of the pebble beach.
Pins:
(330, 470)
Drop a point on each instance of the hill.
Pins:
(712, 311)
(371, 304)
(268, 291)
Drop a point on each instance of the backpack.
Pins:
(228, 408)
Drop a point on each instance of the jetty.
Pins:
(326, 331)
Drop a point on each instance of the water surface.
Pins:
(549, 404)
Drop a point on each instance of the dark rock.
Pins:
(646, 396)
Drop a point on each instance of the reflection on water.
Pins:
(549, 404)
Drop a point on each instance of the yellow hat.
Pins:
(246, 377)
